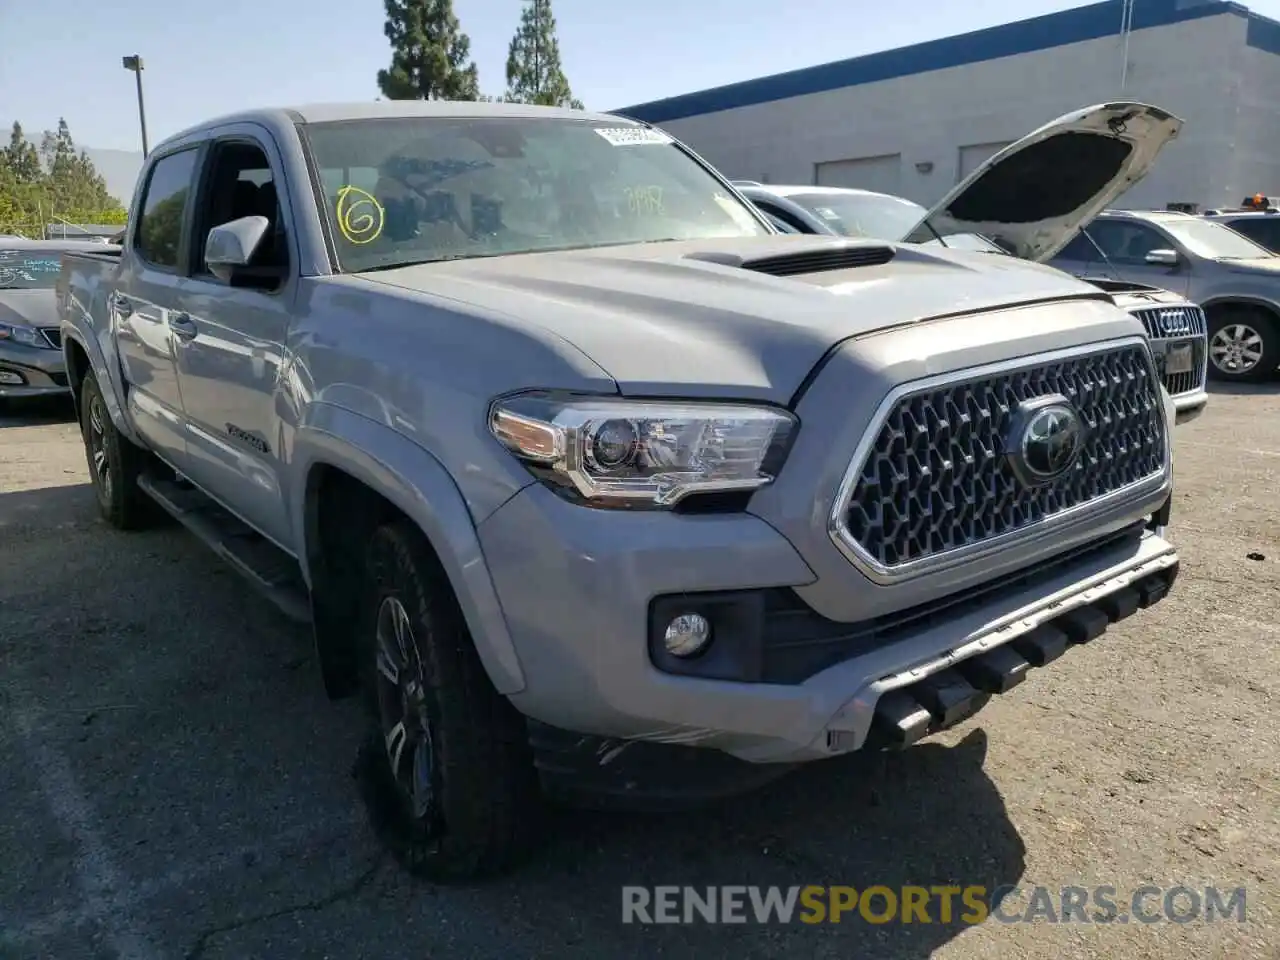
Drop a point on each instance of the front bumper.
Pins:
(577, 587)
(31, 371)
(1189, 406)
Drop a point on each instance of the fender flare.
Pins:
(107, 374)
(417, 484)
(1246, 300)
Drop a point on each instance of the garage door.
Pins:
(867, 173)
(974, 156)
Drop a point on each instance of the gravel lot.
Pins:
(175, 784)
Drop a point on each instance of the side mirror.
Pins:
(1162, 258)
(232, 245)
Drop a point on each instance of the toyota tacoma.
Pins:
(590, 483)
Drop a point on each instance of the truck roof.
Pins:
(396, 109)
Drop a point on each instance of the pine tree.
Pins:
(430, 55)
(20, 158)
(534, 72)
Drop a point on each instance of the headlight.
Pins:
(27, 336)
(640, 451)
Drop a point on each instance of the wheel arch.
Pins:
(352, 472)
(82, 355)
(1230, 300)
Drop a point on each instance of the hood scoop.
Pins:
(838, 256)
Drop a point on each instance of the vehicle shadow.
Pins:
(37, 511)
(35, 411)
(927, 817)
(260, 837)
(1264, 388)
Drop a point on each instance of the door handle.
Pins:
(121, 304)
(183, 327)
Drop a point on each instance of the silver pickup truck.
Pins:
(592, 484)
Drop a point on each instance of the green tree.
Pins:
(430, 55)
(534, 72)
(20, 157)
(55, 181)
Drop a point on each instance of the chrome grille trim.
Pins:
(52, 336)
(1173, 325)
(882, 573)
(1175, 322)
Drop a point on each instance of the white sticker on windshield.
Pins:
(632, 136)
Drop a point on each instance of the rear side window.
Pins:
(159, 234)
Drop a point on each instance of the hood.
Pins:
(1267, 265)
(747, 318)
(1034, 195)
(30, 308)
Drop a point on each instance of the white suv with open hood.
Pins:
(1029, 201)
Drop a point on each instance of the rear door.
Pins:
(143, 305)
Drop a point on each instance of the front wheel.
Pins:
(446, 771)
(1244, 344)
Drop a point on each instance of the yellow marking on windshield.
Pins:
(360, 217)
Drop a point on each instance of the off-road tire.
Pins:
(120, 501)
(1257, 320)
(487, 805)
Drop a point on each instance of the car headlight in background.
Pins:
(27, 336)
(643, 452)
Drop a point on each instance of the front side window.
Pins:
(159, 233)
(1125, 241)
(402, 191)
(29, 269)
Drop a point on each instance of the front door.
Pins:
(143, 304)
(232, 345)
(1126, 244)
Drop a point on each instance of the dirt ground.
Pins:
(175, 784)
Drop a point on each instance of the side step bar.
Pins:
(267, 568)
(941, 700)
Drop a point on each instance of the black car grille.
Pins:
(52, 336)
(937, 478)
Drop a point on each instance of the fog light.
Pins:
(13, 379)
(687, 635)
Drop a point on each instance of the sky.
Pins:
(203, 59)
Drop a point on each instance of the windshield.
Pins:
(1208, 239)
(875, 216)
(415, 190)
(29, 269)
(881, 217)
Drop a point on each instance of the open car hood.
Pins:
(1035, 195)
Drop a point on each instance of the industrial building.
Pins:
(916, 120)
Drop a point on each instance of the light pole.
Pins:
(134, 63)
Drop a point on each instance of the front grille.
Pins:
(1164, 323)
(937, 479)
(52, 336)
(1187, 381)
(1172, 326)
